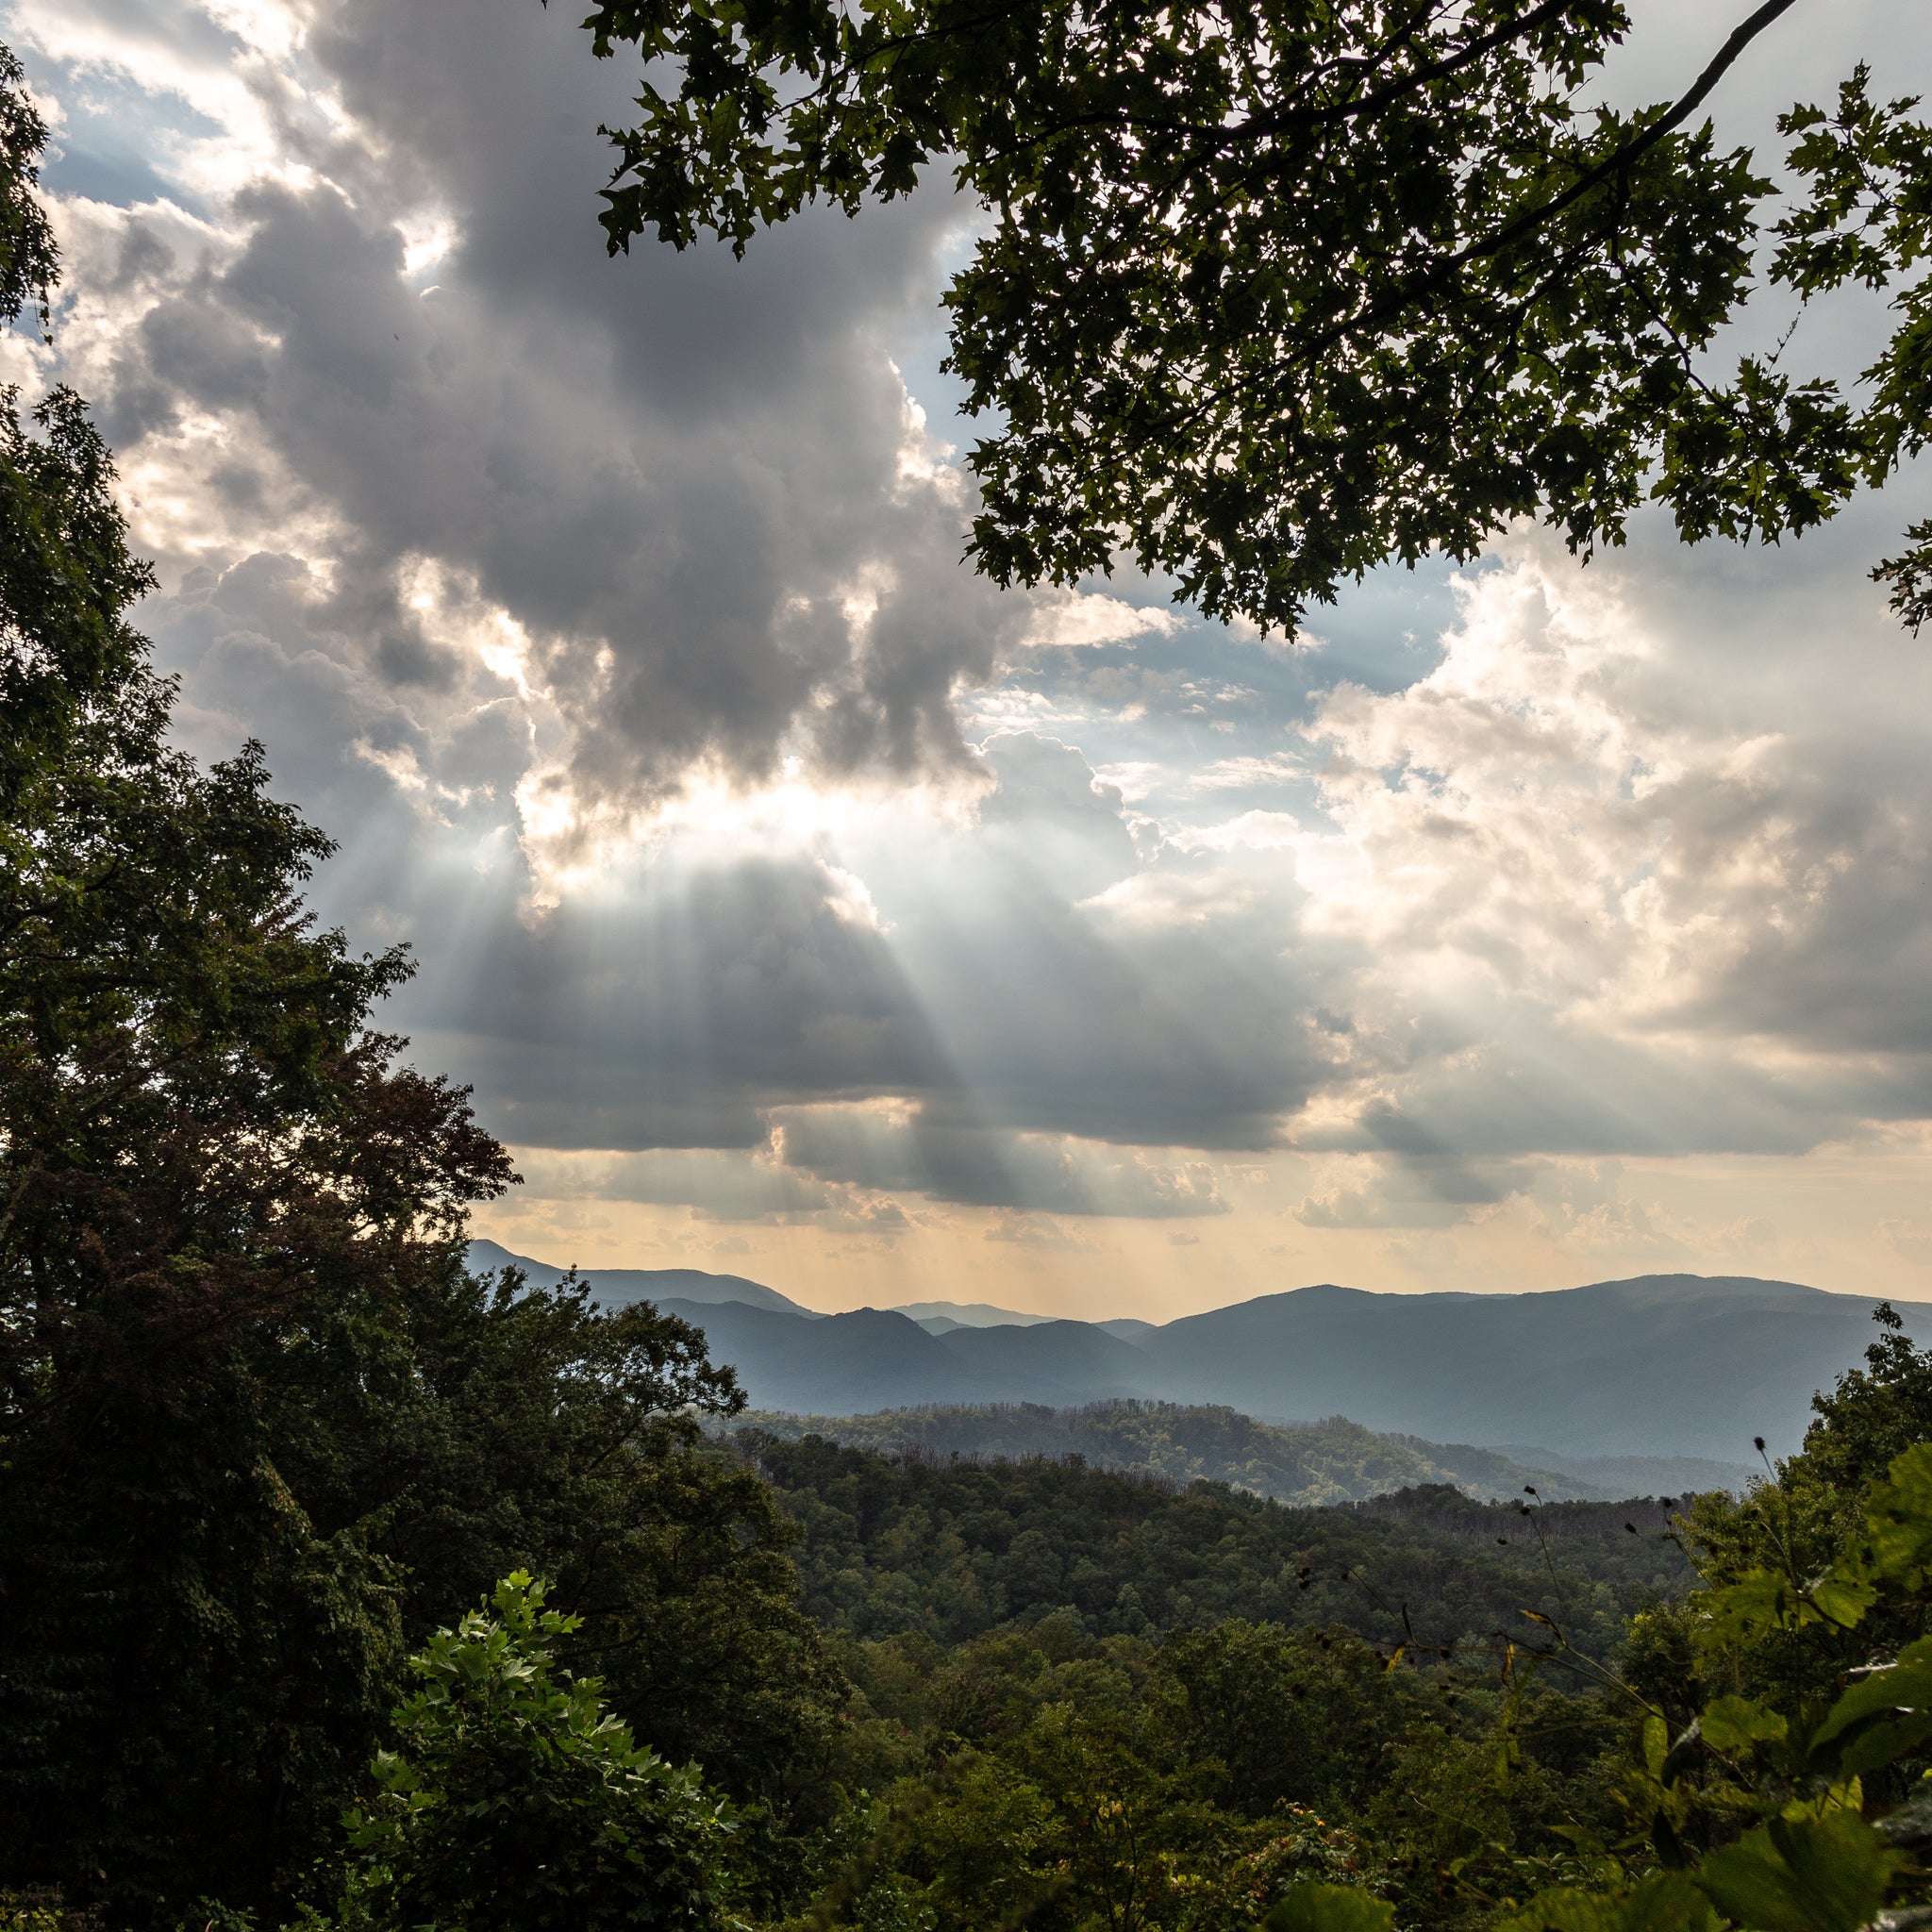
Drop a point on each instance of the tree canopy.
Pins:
(1750, 1754)
(1271, 291)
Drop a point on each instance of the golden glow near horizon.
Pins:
(1852, 1221)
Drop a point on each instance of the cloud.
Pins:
(762, 860)
(1419, 1184)
(949, 1155)
(1910, 1239)
(1032, 1231)
(725, 1186)
(1608, 907)
(538, 572)
(685, 482)
(676, 1013)
(1422, 1253)
(1076, 620)
(1250, 773)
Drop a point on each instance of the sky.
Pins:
(800, 905)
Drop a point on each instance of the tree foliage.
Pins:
(1333, 1460)
(515, 1801)
(1749, 1755)
(1066, 1781)
(29, 257)
(195, 1134)
(1271, 292)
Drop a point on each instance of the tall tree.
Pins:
(198, 1137)
(1272, 290)
(29, 259)
(258, 1427)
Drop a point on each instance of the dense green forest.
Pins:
(343, 1589)
(950, 1550)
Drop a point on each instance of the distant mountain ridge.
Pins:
(937, 1317)
(1658, 1365)
(1678, 1365)
(617, 1288)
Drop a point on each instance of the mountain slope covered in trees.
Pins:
(952, 1550)
(1304, 1463)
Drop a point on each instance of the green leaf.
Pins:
(1736, 1724)
(1898, 1519)
(1759, 1600)
(1668, 1902)
(1843, 1596)
(1656, 1745)
(1882, 1716)
(1329, 1909)
(1567, 1911)
(1803, 1874)
(1664, 1902)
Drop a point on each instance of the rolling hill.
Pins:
(1663, 1364)
(843, 1363)
(937, 1317)
(1309, 1465)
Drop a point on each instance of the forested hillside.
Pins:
(950, 1550)
(1418, 1698)
(1331, 1461)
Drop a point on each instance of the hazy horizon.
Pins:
(845, 1302)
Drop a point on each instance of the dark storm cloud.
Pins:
(681, 474)
(995, 988)
(948, 1152)
(683, 480)
(990, 996)
(1082, 990)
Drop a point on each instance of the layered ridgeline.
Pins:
(1662, 1366)
(1306, 1464)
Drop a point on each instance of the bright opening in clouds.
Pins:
(801, 905)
